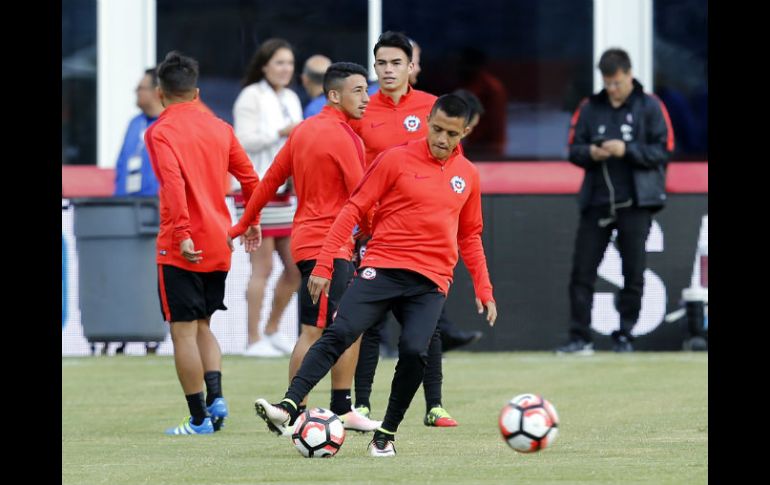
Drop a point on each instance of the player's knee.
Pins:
(411, 349)
(343, 335)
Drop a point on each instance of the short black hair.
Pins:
(153, 73)
(614, 60)
(472, 101)
(339, 71)
(178, 74)
(453, 106)
(394, 39)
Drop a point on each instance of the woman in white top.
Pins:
(264, 114)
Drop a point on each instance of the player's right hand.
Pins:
(187, 248)
(599, 154)
(317, 284)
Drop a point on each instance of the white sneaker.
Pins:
(381, 447)
(355, 421)
(277, 418)
(279, 343)
(262, 348)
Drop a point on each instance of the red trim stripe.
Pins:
(670, 139)
(574, 120)
(323, 306)
(163, 299)
(565, 178)
(358, 143)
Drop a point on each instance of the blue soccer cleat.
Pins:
(187, 427)
(218, 412)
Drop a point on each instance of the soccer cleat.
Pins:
(355, 421)
(363, 411)
(187, 427)
(577, 347)
(380, 446)
(622, 345)
(276, 417)
(458, 339)
(440, 418)
(218, 411)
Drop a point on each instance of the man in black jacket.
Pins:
(623, 140)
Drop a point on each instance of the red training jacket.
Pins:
(427, 208)
(385, 124)
(191, 152)
(326, 159)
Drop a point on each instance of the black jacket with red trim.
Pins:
(642, 122)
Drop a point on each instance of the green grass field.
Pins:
(639, 418)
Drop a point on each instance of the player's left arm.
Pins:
(472, 251)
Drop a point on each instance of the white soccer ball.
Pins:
(318, 433)
(529, 423)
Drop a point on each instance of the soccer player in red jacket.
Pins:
(397, 114)
(429, 207)
(191, 152)
(326, 159)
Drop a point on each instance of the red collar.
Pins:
(427, 152)
(333, 112)
(387, 100)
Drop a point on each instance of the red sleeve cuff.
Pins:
(180, 236)
(235, 231)
(323, 270)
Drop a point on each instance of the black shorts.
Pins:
(322, 314)
(187, 295)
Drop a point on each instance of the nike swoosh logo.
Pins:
(420, 177)
(378, 124)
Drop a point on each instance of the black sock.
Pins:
(289, 407)
(363, 402)
(197, 407)
(213, 380)
(340, 403)
(379, 433)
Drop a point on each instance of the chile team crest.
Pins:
(458, 184)
(412, 123)
(369, 273)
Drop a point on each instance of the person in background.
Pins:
(133, 170)
(265, 113)
(622, 138)
(489, 137)
(313, 82)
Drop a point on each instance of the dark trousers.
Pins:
(369, 356)
(633, 226)
(416, 303)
